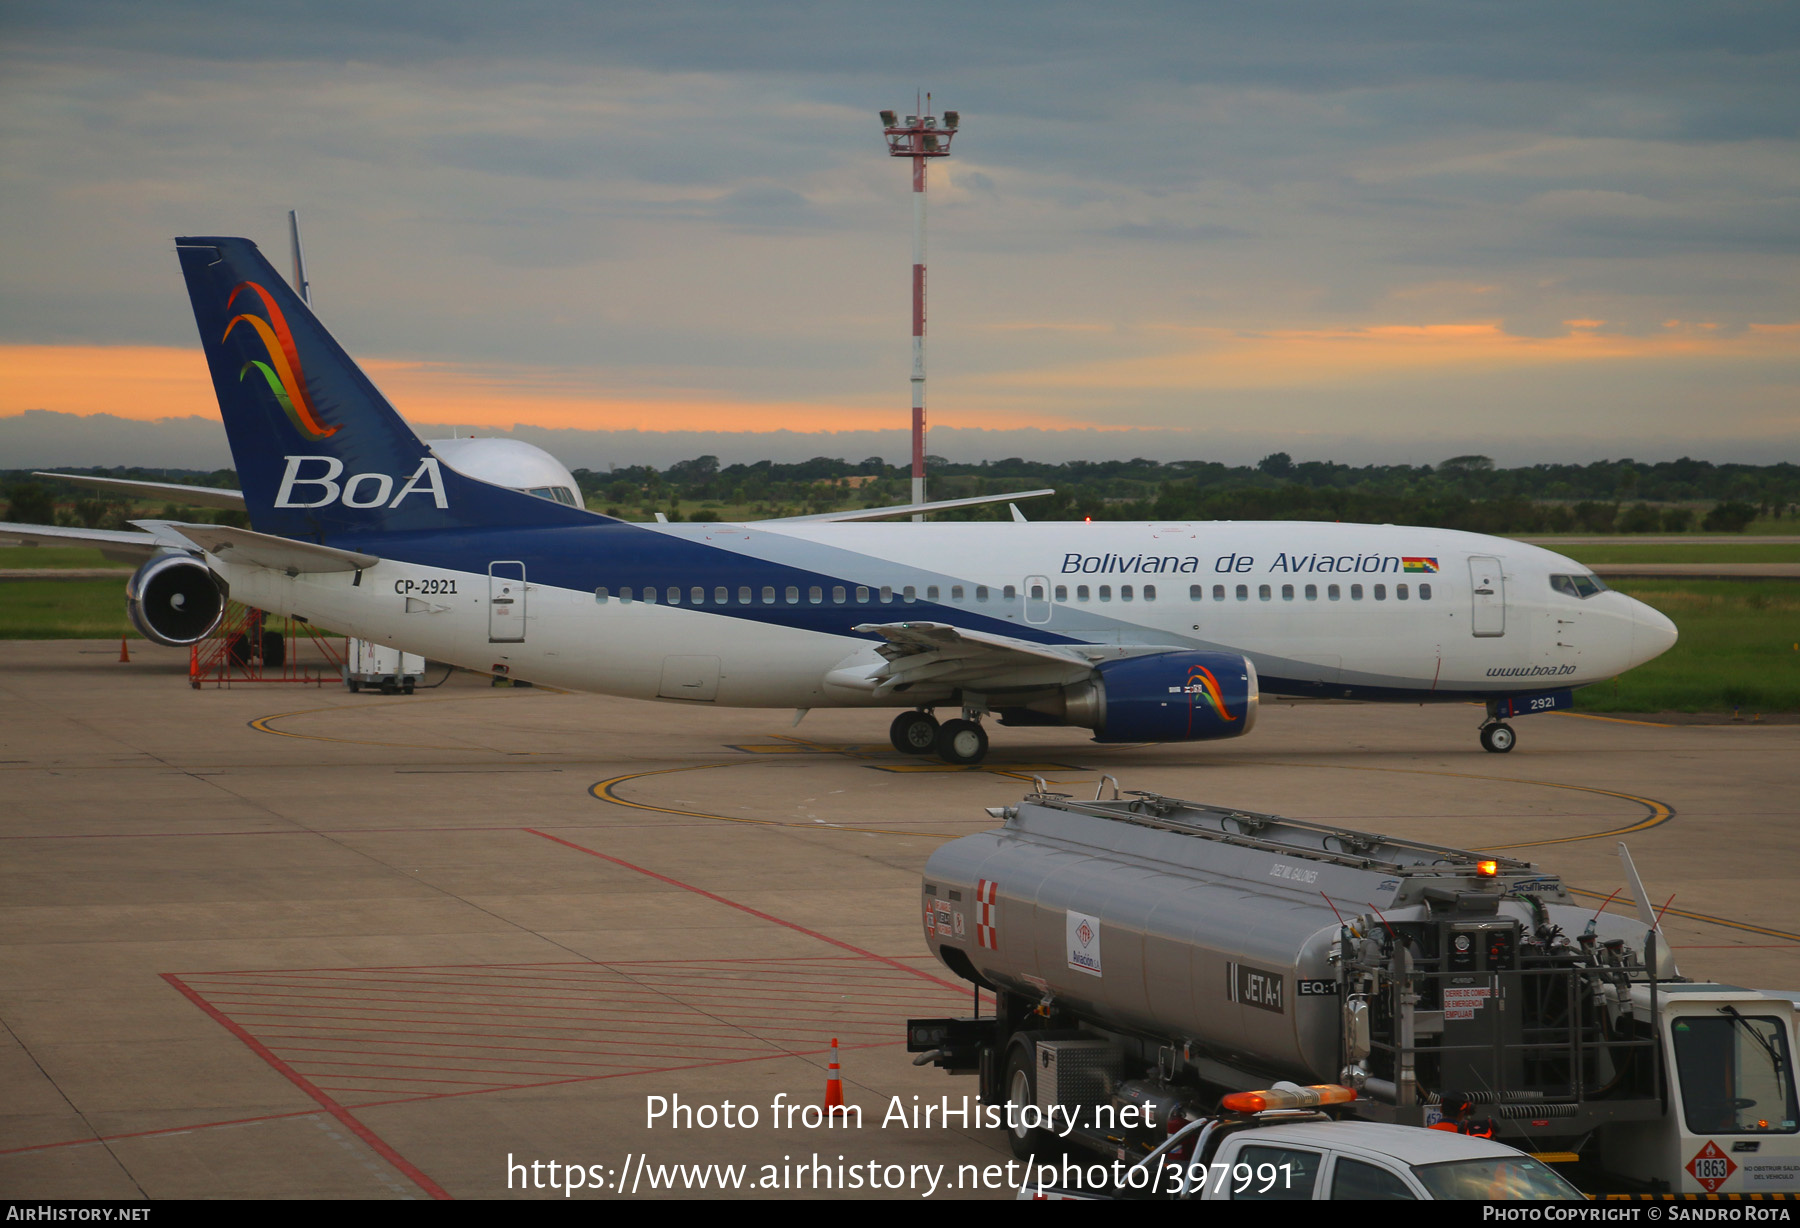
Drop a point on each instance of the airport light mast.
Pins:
(921, 136)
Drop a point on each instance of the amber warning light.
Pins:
(1287, 1096)
(1486, 869)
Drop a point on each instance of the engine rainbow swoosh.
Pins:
(1201, 683)
(283, 372)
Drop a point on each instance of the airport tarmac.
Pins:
(284, 941)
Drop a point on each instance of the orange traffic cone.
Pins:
(834, 1085)
(124, 652)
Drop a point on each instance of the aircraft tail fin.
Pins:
(319, 451)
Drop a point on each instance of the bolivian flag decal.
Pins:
(1410, 563)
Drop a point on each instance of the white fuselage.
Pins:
(1326, 609)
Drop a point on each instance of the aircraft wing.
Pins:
(265, 550)
(124, 544)
(192, 496)
(903, 509)
(956, 656)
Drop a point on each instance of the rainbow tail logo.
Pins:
(283, 373)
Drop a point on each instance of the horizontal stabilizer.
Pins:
(264, 550)
(903, 509)
(115, 542)
(192, 496)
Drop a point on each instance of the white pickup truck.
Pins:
(1298, 1153)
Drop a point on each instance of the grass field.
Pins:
(1737, 650)
(59, 557)
(1695, 552)
(63, 609)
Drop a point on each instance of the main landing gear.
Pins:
(1497, 737)
(962, 742)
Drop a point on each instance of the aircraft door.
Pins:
(506, 603)
(1487, 586)
(1037, 599)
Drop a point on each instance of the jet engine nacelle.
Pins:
(174, 599)
(1169, 697)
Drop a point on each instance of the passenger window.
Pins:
(674, 595)
(1124, 592)
(1037, 592)
(1353, 1179)
(743, 594)
(650, 595)
(862, 594)
(981, 592)
(1009, 593)
(909, 593)
(1312, 592)
(601, 595)
(1400, 591)
(1381, 592)
(721, 595)
(1149, 592)
(768, 594)
(931, 592)
(1218, 592)
(1106, 592)
(956, 593)
(625, 596)
(837, 594)
(1243, 593)
(793, 595)
(697, 596)
(1062, 592)
(1081, 592)
(1277, 1174)
(1356, 592)
(887, 594)
(1287, 592)
(815, 594)
(1424, 592)
(1332, 592)
(1195, 591)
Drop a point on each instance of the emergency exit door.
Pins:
(1037, 599)
(1487, 589)
(506, 603)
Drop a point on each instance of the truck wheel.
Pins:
(1021, 1092)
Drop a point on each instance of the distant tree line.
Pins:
(1463, 492)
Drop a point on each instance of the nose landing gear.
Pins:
(1497, 737)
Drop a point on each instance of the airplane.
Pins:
(1154, 632)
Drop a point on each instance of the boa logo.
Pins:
(359, 490)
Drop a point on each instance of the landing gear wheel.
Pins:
(914, 733)
(1021, 1092)
(1498, 738)
(961, 742)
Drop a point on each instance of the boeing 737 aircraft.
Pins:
(1139, 632)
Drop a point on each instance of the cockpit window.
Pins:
(556, 494)
(1583, 585)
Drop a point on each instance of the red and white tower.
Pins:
(920, 137)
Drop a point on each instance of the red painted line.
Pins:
(720, 964)
(331, 1106)
(206, 1125)
(378, 1104)
(486, 1053)
(185, 835)
(724, 1028)
(801, 929)
(279, 1041)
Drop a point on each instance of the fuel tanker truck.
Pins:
(1155, 954)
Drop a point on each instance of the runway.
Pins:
(283, 941)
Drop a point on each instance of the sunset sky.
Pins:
(1362, 232)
